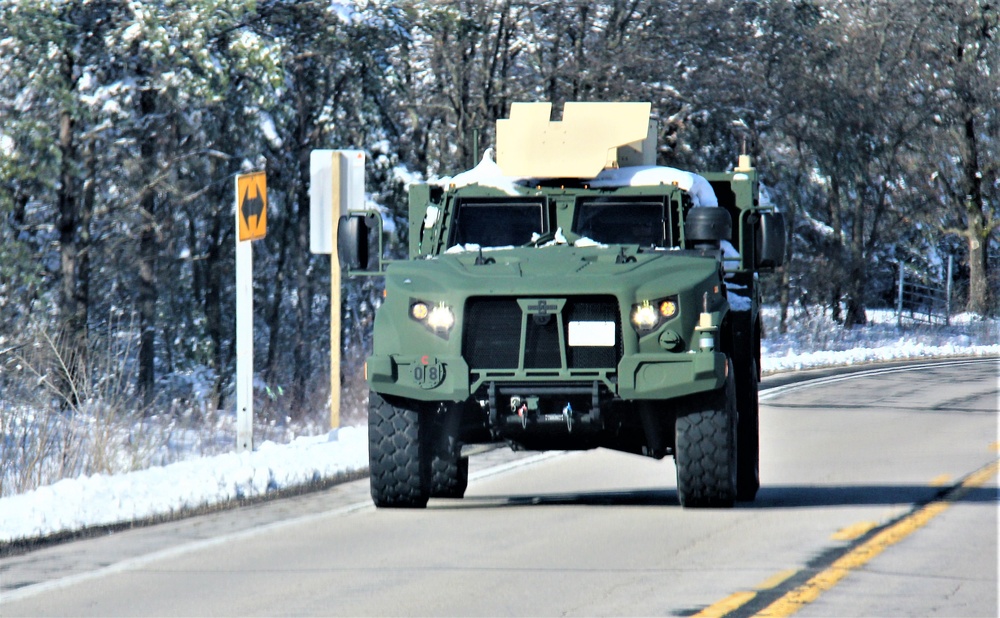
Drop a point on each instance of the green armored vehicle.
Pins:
(571, 295)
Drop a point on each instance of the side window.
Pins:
(497, 223)
(622, 221)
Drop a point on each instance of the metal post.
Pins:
(244, 341)
(947, 293)
(335, 301)
(899, 299)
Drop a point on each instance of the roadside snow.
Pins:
(816, 341)
(100, 500)
(75, 504)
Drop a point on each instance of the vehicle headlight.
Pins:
(644, 317)
(439, 319)
(648, 315)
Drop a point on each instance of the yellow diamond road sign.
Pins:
(251, 203)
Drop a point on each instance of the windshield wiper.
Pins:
(540, 239)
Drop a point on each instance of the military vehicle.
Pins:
(570, 295)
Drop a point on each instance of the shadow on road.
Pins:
(769, 497)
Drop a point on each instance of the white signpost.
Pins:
(251, 224)
(337, 185)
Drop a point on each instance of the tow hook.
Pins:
(568, 415)
(520, 407)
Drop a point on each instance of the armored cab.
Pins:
(571, 294)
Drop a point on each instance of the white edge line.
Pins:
(787, 388)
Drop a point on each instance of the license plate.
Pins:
(591, 334)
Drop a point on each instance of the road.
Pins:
(879, 498)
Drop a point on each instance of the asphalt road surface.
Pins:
(879, 498)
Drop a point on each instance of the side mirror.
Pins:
(770, 240)
(352, 242)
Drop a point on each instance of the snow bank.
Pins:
(815, 340)
(904, 350)
(100, 500)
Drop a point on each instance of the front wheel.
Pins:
(399, 470)
(705, 449)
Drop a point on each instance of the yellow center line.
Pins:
(739, 599)
(865, 552)
(940, 480)
(854, 531)
(776, 580)
(726, 605)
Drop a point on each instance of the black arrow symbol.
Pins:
(252, 206)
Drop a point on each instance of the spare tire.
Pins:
(707, 225)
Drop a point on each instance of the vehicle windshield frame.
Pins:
(603, 219)
(481, 221)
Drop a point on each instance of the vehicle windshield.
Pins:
(497, 224)
(621, 222)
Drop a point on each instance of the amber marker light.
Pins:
(419, 311)
(668, 308)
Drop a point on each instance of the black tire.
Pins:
(449, 470)
(748, 434)
(705, 449)
(400, 473)
(449, 476)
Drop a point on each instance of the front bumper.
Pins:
(639, 376)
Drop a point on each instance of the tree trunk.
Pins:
(305, 338)
(147, 252)
(976, 233)
(73, 313)
(837, 250)
(856, 315)
(213, 297)
(857, 278)
(286, 238)
(979, 289)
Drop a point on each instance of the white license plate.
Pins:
(591, 334)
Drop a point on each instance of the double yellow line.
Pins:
(826, 579)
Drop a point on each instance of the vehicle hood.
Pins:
(553, 270)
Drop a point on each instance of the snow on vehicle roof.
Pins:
(698, 188)
(488, 174)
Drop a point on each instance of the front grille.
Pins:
(492, 331)
(541, 344)
(496, 330)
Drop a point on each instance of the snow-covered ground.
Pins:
(75, 504)
(815, 341)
